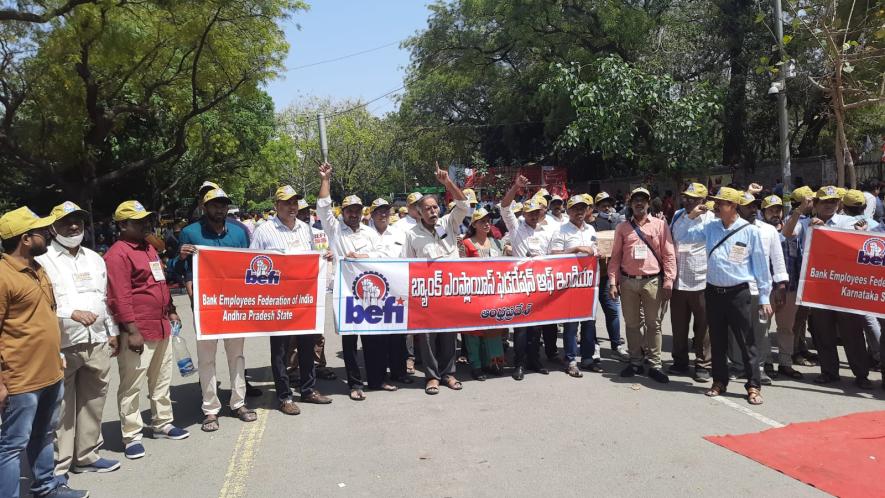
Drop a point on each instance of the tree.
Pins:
(114, 89)
(623, 112)
(848, 37)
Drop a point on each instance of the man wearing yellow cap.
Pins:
(687, 303)
(410, 218)
(735, 258)
(528, 240)
(285, 232)
(31, 386)
(793, 253)
(828, 325)
(642, 270)
(577, 237)
(142, 307)
(348, 238)
(88, 341)
(433, 239)
(557, 216)
(214, 229)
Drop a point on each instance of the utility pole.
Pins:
(324, 144)
(782, 119)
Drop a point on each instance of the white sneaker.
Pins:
(620, 353)
(596, 352)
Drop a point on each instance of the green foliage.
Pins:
(624, 112)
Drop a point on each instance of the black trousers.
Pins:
(279, 348)
(830, 325)
(526, 346)
(728, 310)
(382, 352)
(348, 344)
(549, 333)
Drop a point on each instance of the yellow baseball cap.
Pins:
(532, 205)
(208, 185)
(216, 194)
(728, 194)
(366, 211)
(478, 215)
(542, 192)
(516, 207)
(131, 210)
(66, 208)
(577, 199)
(541, 200)
(285, 193)
(602, 196)
(302, 204)
(841, 191)
(640, 190)
(21, 220)
(413, 198)
(351, 200)
(403, 210)
(747, 199)
(854, 198)
(555, 198)
(589, 199)
(379, 202)
(471, 195)
(710, 204)
(696, 190)
(827, 192)
(801, 193)
(772, 200)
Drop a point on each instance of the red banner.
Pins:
(245, 293)
(844, 270)
(407, 295)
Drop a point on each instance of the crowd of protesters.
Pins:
(726, 264)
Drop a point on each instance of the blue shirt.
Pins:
(199, 233)
(727, 265)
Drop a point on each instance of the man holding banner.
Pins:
(285, 232)
(827, 325)
(348, 238)
(432, 239)
(528, 240)
(215, 230)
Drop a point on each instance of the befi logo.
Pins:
(370, 302)
(872, 252)
(261, 272)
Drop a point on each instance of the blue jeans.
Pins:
(611, 308)
(29, 423)
(588, 341)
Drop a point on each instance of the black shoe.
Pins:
(658, 375)
(769, 370)
(518, 373)
(676, 369)
(863, 383)
(477, 374)
(539, 369)
(631, 370)
(252, 391)
(701, 375)
(592, 366)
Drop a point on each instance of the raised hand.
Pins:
(521, 181)
(441, 175)
(325, 171)
(754, 188)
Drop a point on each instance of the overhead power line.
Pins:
(348, 56)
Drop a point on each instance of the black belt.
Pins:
(725, 290)
(639, 277)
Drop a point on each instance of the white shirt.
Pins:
(344, 240)
(557, 223)
(691, 259)
(441, 242)
(570, 236)
(405, 224)
(525, 240)
(771, 246)
(274, 235)
(391, 243)
(870, 210)
(79, 283)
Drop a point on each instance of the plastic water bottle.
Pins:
(182, 355)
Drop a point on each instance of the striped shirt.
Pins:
(774, 252)
(691, 259)
(275, 236)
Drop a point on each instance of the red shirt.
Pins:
(134, 295)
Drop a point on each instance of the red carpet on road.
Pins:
(844, 456)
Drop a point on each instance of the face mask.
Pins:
(69, 242)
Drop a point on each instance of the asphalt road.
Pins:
(548, 435)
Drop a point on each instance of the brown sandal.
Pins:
(453, 383)
(754, 397)
(716, 390)
(245, 414)
(410, 365)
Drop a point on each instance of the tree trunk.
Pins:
(736, 15)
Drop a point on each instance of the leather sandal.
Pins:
(716, 390)
(754, 396)
(210, 424)
(245, 414)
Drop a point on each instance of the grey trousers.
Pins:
(438, 353)
(830, 325)
(760, 334)
(683, 306)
